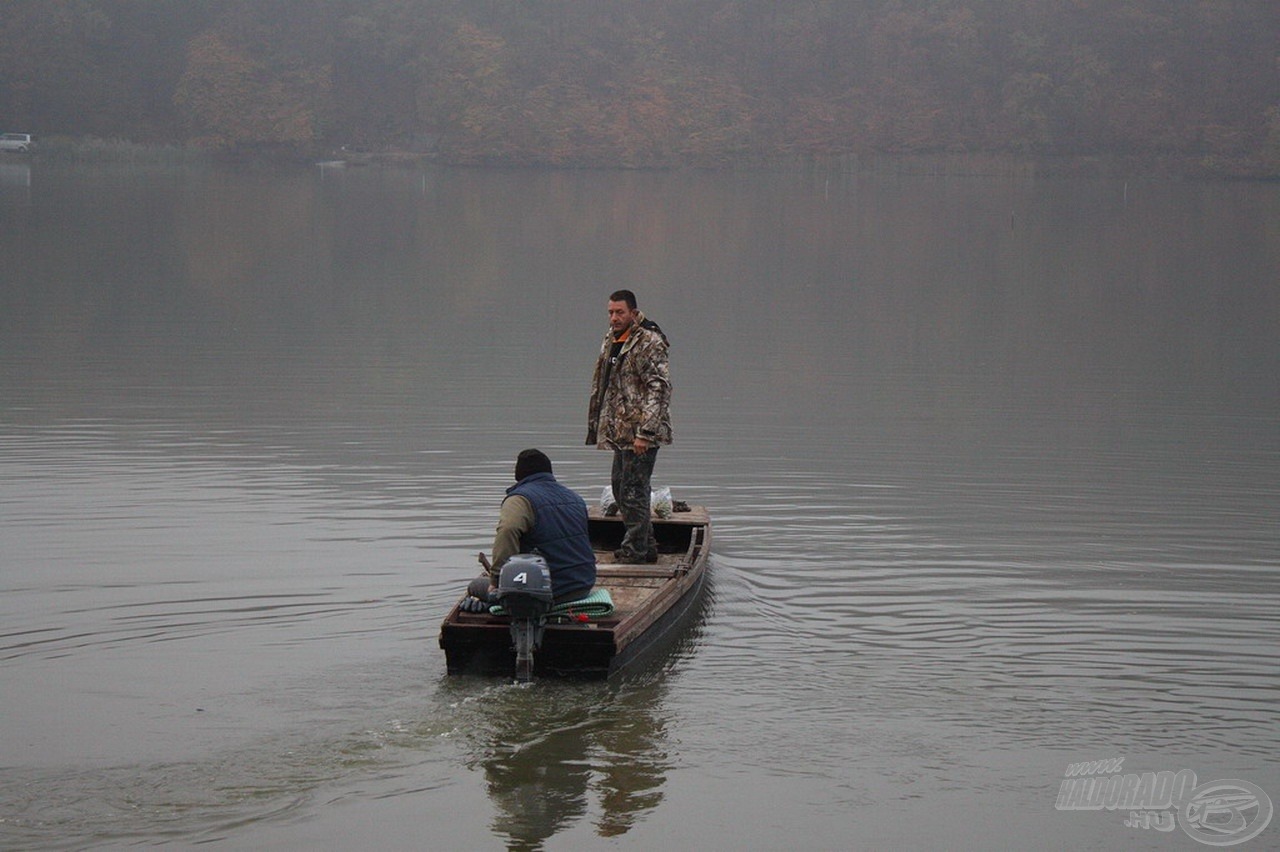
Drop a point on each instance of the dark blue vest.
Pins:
(559, 533)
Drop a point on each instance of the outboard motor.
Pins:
(524, 591)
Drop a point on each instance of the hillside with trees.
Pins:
(1191, 85)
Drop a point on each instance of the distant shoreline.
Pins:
(95, 150)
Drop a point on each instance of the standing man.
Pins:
(630, 415)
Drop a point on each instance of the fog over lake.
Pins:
(993, 466)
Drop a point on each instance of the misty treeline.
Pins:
(655, 83)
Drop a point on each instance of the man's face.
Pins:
(620, 316)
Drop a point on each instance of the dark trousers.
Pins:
(631, 476)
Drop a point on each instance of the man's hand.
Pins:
(474, 604)
(641, 446)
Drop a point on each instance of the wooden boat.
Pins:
(652, 603)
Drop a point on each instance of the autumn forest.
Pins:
(1191, 85)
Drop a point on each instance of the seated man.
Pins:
(540, 514)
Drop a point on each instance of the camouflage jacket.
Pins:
(635, 400)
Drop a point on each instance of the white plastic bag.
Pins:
(608, 505)
(660, 502)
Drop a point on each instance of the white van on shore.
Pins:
(16, 143)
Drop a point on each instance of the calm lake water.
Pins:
(994, 467)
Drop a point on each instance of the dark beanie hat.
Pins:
(530, 462)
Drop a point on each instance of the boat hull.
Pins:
(654, 603)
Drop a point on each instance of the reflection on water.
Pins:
(15, 174)
(994, 470)
(554, 749)
(554, 754)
